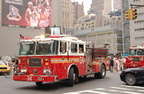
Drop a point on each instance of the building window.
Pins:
(136, 0)
(139, 29)
(139, 38)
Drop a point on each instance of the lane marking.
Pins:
(133, 86)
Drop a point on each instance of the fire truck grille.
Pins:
(136, 59)
(35, 62)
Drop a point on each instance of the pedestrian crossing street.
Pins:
(122, 89)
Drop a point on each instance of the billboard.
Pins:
(27, 13)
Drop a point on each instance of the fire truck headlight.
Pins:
(47, 71)
(23, 70)
(141, 59)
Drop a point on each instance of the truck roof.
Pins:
(62, 37)
(137, 47)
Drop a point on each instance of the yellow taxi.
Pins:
(4, 67)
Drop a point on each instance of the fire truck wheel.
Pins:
(130, 79)
(102, 72)
(39, 83)
(71, 77)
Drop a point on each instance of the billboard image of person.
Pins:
(33, 13)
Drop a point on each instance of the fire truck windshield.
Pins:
(136, 52)
(37, 48)
(27, 48)
(45, 47)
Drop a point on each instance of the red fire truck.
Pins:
(136, 57)
(59, 57)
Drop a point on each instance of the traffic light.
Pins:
(134, 13)
(128, 14)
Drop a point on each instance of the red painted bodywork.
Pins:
(131, 63)
(59, 66)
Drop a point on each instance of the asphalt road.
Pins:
(111, 84)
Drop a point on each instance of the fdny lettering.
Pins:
(29, 78)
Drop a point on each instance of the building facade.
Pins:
(107, 8)
(116, 4)
(96, 8)
(67, 14)
(102, 7)
(88, 21)
(136, 26)
(78, 10)
(115, 21)
(84, 22)
(99, 36)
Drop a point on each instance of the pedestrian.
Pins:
(124, 61)
(111, 64)
(116, 65)
(121, 64)
(14, 64)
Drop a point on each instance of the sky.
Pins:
(86, 4)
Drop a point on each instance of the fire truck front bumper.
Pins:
(34, 78)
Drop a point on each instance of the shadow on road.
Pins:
(61, 84)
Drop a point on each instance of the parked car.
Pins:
(4, 67)
(133, 76)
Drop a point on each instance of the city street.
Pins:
(111, 84)
(50, 40)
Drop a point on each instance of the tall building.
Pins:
(78, 10)
(107, 8)
(96, 8)
(57, 12)
(102, 7)
(116, 4)
(67, 14)
(137, 26)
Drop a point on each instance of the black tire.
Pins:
(102, 72)
(39, 83)
(130, 79)
(71, 77)
(8, 74)
(76, 79)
